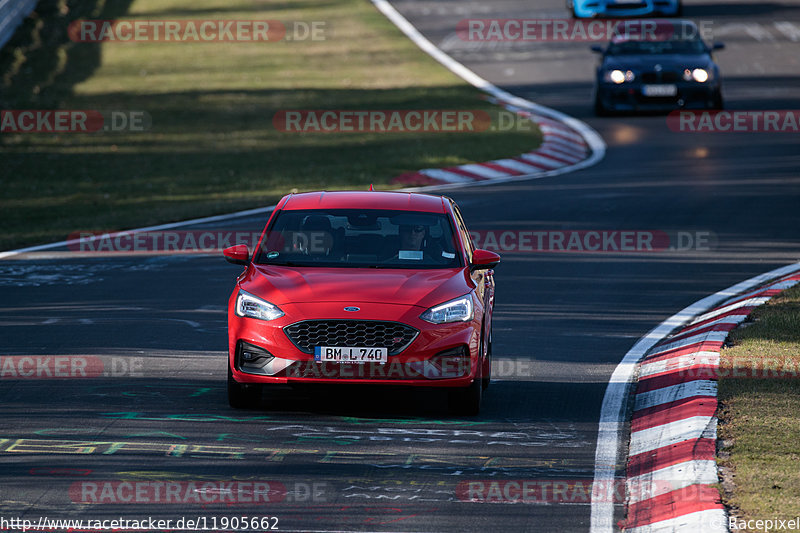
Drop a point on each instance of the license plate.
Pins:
(659, 90)
(350, 354)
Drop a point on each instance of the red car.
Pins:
(362, 287)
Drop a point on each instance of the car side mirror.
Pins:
(483, 260)
(596, 48)
(718, 46)
(238, 254)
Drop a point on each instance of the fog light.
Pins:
(451, 363)
(251, 356)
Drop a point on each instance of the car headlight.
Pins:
(699, 75)
(458, 310)
(251, 306)
(618, 76)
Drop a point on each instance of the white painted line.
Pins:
(696, 427)
(444, 175)
(679, 363)
(613, 412)
(679, 391)
(709, 521)
(482, 171)
(670, 478)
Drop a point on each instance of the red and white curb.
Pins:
(671, 466)
(676, 414)
(562, 147)
(568, 143)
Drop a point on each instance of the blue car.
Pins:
(624, 8)
(666, 67)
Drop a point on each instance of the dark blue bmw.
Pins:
(664, 65)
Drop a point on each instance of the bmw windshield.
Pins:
(360, 239)
(682, 46)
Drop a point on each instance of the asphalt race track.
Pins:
(151, 330)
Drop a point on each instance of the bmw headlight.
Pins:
(618, 76)
(699, 75)
(251, 306)
(458, 310)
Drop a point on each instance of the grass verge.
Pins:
(212, 147)
(760, 416)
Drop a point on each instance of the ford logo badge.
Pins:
(352, 309)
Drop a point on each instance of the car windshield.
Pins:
(682, 46)
(360, 239)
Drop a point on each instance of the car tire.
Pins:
(242, 396)
(487, 376)
(466, 401)
(599, 109)
(719, 103)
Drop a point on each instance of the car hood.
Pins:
(647, 62)
(424, 288)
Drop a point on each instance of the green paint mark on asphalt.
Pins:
(185, 417)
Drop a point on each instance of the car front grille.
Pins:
(660, 77)
(361, 333)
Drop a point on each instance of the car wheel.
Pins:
(487, 376)
(242, 396)
(718, 102)
(467, 400)
(599, 109)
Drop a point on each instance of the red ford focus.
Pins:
(362, 287)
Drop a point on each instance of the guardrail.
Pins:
(12, 13)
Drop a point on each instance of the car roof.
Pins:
(399, 201)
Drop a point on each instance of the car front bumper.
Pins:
(630, 98)
(440, 355)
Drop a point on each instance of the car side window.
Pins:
(465, 236)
